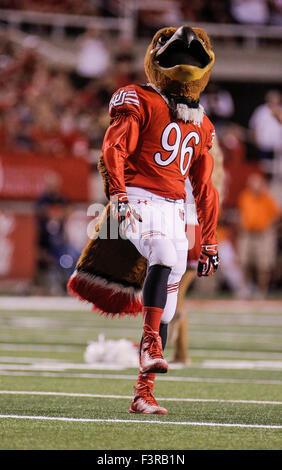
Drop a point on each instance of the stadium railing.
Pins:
(250, 36)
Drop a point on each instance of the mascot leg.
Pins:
(161, 289)
(144, 386)
(178, 332)
(167, 263)
(162, 259)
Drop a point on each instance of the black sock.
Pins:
(163, 334)
(155, 286)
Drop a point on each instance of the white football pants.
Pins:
(160, 238)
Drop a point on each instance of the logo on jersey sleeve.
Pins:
(124, 96)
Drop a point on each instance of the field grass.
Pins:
(229, 398)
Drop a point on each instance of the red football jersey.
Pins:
(144, 147)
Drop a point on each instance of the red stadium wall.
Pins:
(22, 175)
(22, 181)
(17, 245)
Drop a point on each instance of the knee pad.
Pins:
(162, 251)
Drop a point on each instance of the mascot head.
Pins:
(179, 61)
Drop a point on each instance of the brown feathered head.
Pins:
(179, 61)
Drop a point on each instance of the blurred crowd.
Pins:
(250, 225)
(212, 11)
(47, 110)
(150, 17)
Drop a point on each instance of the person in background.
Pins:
(219, 106)
(52, 246)
(275, 7)
(231, 270)
(94, 57)
(250, 11)
(257, 248)
(267, 130)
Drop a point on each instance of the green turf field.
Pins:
(230, 397)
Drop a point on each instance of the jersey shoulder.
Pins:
(137, 100)
(124, 99)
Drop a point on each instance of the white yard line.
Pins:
(241, 364)
(133, 377)
(30, 363)
(43, 303)
(32, 360)
(137, 421)
(39, 347)
(129, 397)
(194, 352)
(60, 366)
(234, 353)
(25, 319)
(204, 305)
(257, 321)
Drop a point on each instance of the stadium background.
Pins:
(60, 62)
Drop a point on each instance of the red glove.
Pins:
(209, 260)
(124, 212)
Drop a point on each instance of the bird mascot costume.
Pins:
(159, 136)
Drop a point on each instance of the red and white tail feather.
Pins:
(108, 298)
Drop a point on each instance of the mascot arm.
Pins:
(218, 169)
(206, 197)
(120, 141)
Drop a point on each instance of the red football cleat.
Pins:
(144, 402)
(151, 358)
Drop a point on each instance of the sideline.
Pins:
(145, 421)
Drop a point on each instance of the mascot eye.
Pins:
(162, 39)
